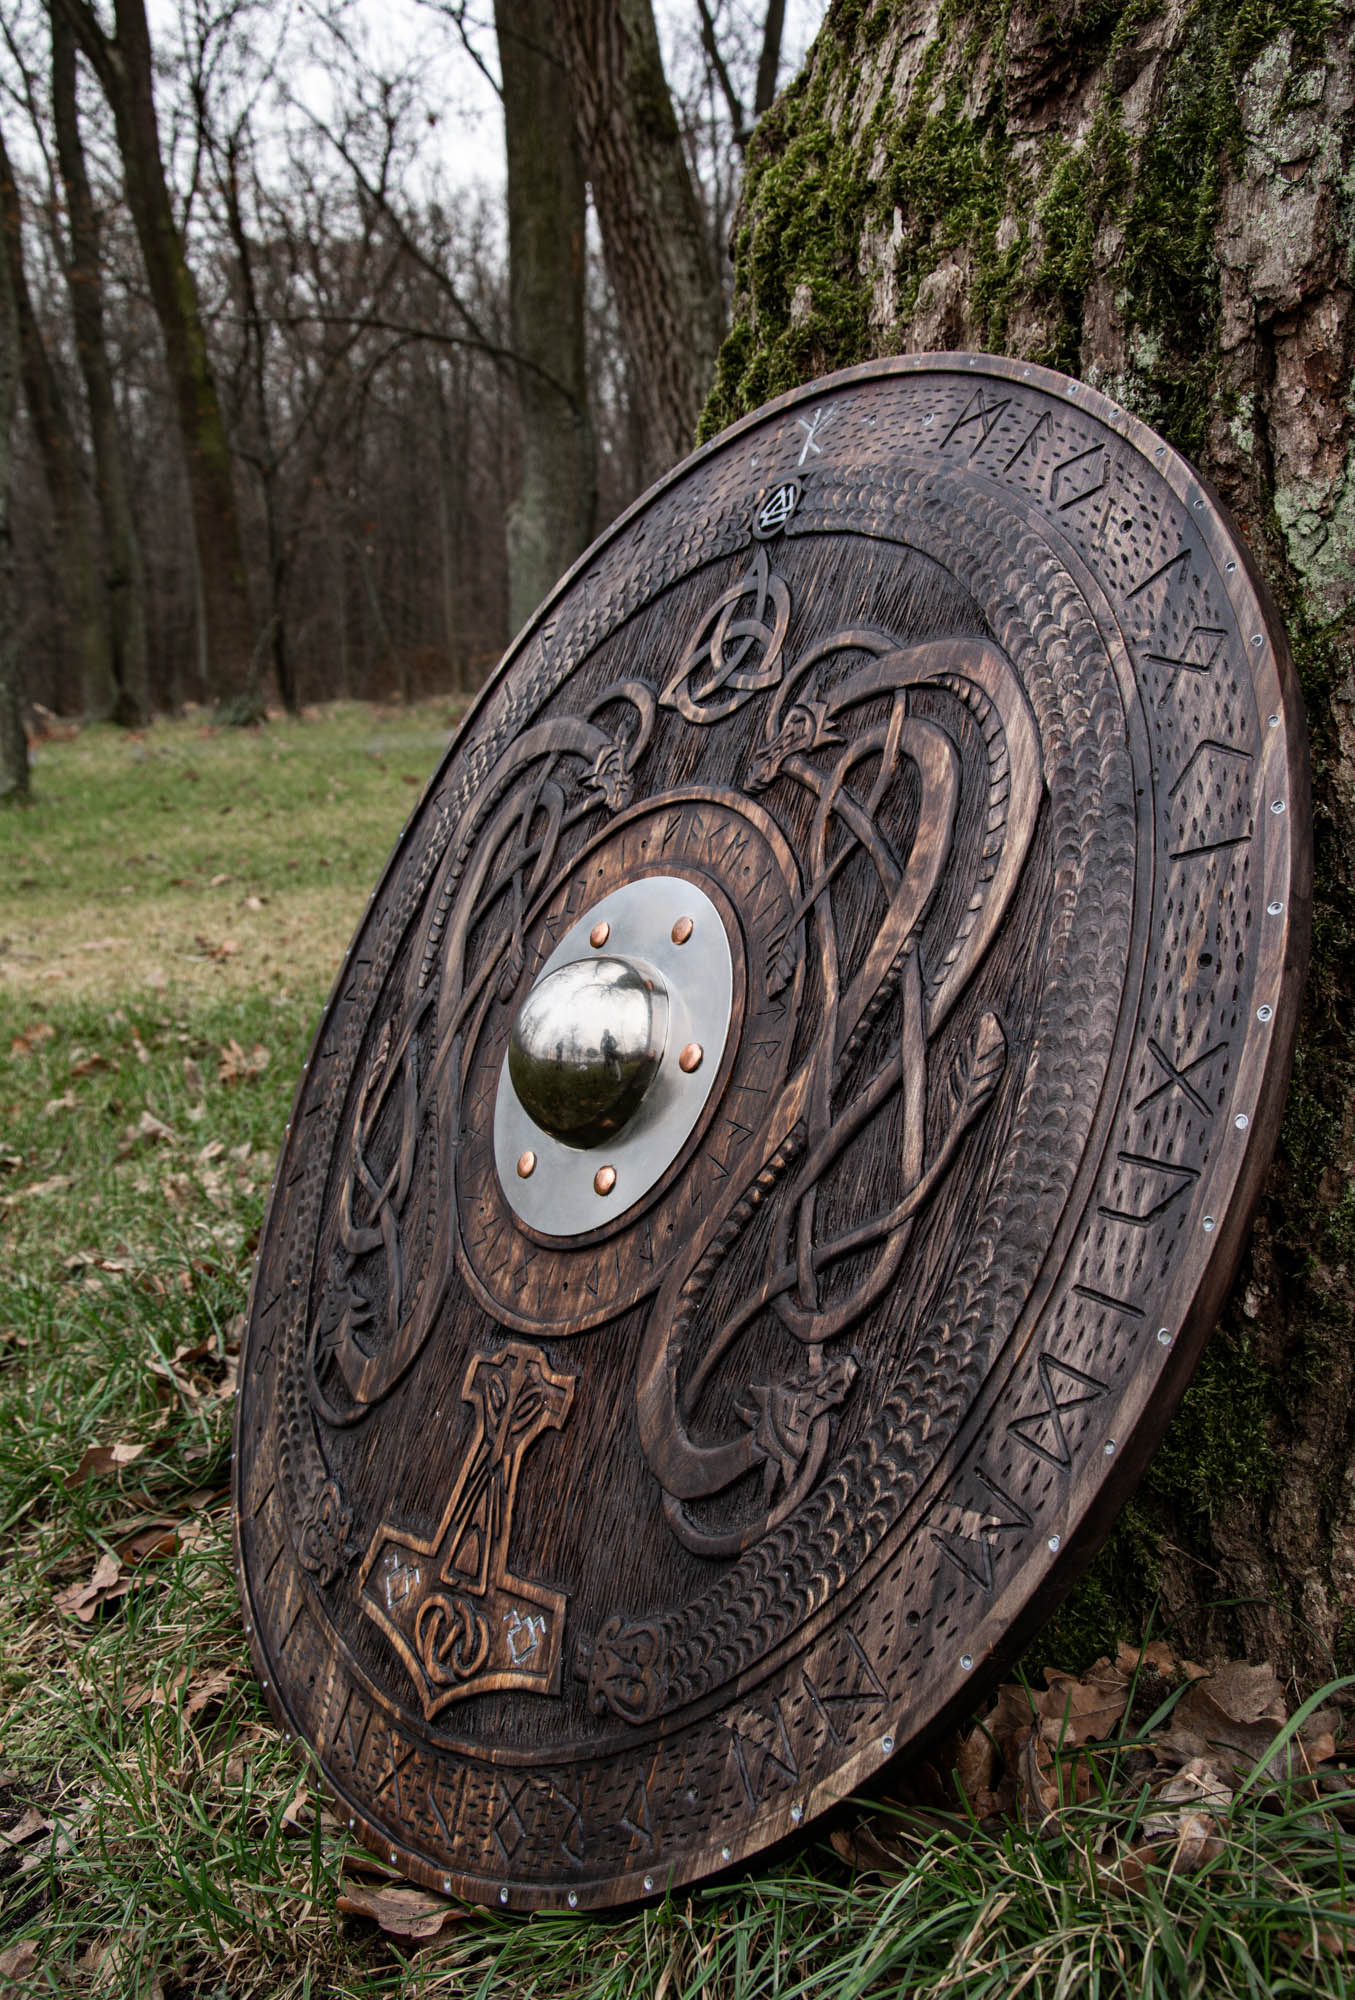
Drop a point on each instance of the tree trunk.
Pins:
(551, 521)
(1156, 200)
(60, 454)
(667, 294)
(13, 742)
(123, 67)
(123, 570)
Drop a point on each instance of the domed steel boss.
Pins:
(613, 1054)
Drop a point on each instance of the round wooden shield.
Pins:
(779, 1138)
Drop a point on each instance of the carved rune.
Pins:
(458, 1618)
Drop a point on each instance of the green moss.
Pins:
(1111, 1602)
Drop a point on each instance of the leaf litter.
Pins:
(1042, 1756)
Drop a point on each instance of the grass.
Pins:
(157, 1837)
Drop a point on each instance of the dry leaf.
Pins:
(19, 1958)
(35, 1188)
(101, 1458)
(103, 1586)
(148, 1130)
(192, 1077)
(24, 1044)
(235, 1065)
(860, 1849)
(86, 1065)
(54, 1105)
(404, 1913)
(28, 1828)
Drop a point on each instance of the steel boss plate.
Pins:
(879, 881)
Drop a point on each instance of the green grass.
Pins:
(176, 1855)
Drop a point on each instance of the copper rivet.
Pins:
(526, 1165)
(682, 930)
(599, 935)
(690, 1058)
(604, 1180)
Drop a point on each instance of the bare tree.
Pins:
(123, 571)
(654, 240)
(552, 516)
(60, 450)
(13, 742)
(123, 64)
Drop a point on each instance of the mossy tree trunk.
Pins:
(1159, 199)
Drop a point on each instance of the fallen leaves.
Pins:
(103, 1458)
(105, 1584)
(31, 1038)
(237, 1067)
(1064, 1758)
(19, 1958)
(401, 1913)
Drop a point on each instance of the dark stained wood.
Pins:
(587, 1567)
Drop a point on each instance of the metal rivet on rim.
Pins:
(1199, 503)
(1025, 371)
(573, 1899)
(725, 1853)
(393, 1854)
(649, 1883)
(755, 461)
(1275, 909)
(1208, 1224)
(604, 1180)
(797, 1812)
(503, 1895)
(1257, 640)
(966, 1661)
(1230, 567)
(1109, 1446)
(1264, 1013)
(886, 1744)
(1055, 1544)
(1272, 722)
(1241, 1121)
(930, 417)
(446, 1885)
(599, 935)
(352, 1826)
(526, 1165)
(1164, 1336)
(690, 1059)
(1161, 451)
(682, 930)
(1277, 805)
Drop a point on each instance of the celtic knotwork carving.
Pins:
(851, 738)
(734, 653)
(366, 1334)
(323, 1546)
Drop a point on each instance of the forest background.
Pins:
(327, 369)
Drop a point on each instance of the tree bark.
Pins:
(60, 454)
(13, 742)
(123, 571)
(124, 69)
(551, 520)
(1156, 200)
(667, 293)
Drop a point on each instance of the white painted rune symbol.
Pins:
(810, 426)
(521, 1649)
(400, 1578)
(778, 507)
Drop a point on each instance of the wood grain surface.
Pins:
(588, 1566)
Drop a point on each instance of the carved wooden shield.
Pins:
(779, 1138)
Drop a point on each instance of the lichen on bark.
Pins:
(1159, 197)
